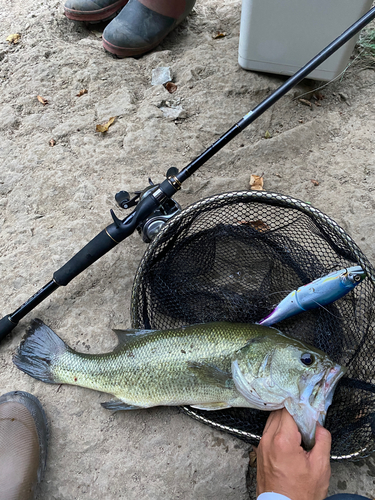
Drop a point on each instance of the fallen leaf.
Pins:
(219, 34)
(305, 102)
(105, 126)
(81, 92)
(52, 142)
(258, 225)
(253, 459)
(256, 182)
(42, 100)
(267, 135)
(14, 38)
(316, 183)
(171, 87)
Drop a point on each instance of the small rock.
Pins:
(173, 112)
(345, 98)
(161, 75)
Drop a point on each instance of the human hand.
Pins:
(284, 467)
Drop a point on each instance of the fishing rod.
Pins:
(155, 206)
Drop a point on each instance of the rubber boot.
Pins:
(143, 24)
(92, 10)
(23, 445)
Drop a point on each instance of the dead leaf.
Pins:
(219, 34)
(52, 142)
(105, 126)
(14, 38)
(258, 225)
(81, 92)
(42, 100)
(171, 87)
(305, 102)
(316, 183)
(256, 182)
(267, 135)
(253, 459)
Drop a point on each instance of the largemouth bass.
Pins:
(208, 366)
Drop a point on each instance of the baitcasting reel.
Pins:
(151, 226)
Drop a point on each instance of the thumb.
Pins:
(323, 442)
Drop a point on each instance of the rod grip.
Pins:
(6, 326)
(89, 254)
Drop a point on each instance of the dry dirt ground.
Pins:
(53, 199)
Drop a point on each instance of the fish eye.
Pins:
(307, 358)
(356, 278)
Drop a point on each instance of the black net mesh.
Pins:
(233, 257)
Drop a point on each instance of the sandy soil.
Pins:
(53, 199)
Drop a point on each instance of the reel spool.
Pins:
(233, 257)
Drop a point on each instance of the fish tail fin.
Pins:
(38, 352)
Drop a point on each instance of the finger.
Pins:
(273, 421)
(287, 423)
(323, 441)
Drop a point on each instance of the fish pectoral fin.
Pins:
(119, 405)
(211, 406)
(125, 336)
(209, 374)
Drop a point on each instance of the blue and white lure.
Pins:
(319, 292)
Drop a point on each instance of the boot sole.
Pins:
(128, 52)
(95, 15)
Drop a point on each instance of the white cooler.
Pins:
(281, 36)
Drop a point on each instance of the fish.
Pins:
(318, 293)
(209, 366)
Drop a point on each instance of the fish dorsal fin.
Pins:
(209, 374)
(125, 336)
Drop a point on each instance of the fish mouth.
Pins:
(322, 393)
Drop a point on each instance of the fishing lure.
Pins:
(319, 292)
